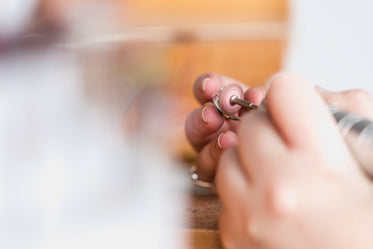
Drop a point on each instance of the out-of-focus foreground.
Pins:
(94, 95)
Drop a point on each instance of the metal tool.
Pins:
(357, 130)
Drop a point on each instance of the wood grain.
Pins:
(202, 215)
(203, 212)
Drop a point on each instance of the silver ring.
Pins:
(195, 178)
(234, 100)
(215, 100)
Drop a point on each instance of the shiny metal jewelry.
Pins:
(195, 178)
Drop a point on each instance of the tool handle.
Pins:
(358, 133)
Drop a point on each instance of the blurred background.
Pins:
(330, 43)
(94, 95)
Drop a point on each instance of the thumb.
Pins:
(303, 120)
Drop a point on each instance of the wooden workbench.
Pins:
(202, 215)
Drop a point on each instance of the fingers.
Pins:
(356, 101)
(232, 230)
(305, 123)
(255, 95)
(300, 115)
(235, 192)
(208, 158)
(260, 147)
(232, 184)
(207, 131)
(208, 85)
(203, 124)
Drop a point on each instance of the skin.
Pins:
(285, 180)
(208, 132)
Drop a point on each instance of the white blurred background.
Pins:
(331, 43)
(71, 176)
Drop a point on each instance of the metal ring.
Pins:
(234, 100)
(215, 100)
(195, 178)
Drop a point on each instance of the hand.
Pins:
(290, 181)
(208, 132)
(356, 101)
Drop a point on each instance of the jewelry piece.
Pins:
(230, 99)
(195, 178)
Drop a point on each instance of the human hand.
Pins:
(208, 132)
(290, 181)
(354, 124)
(355, 101)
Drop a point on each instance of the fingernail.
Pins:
(219, 144)
(273, 77)
(203, 114)
(263, 88)
(203, 84)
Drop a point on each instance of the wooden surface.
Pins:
(202, 215)
(203, 239)
(203, 212)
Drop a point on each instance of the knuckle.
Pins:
(253, 234)
(280, 201)
(251, 231)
